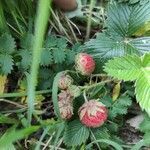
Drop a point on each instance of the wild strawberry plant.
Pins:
(92, 85)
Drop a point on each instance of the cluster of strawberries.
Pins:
(92, 113)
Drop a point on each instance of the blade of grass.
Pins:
(40, 27)
(88, 30)
(4, 95)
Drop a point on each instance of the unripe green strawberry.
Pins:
(93, 114)
(84, 63)
(65, 81)
(65, 104)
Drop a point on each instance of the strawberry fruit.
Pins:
(93, 114)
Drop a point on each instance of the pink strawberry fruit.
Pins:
(65, 81)
(93, 114)
(84, 63)
(65, 104)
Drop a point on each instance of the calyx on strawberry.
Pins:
(65, 104)
(93, 114)
(84, 63)
(65, 81)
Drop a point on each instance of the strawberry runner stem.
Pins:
(94, 85)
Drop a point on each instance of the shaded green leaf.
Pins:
(7, 44)
(120, 106)
(6, 63)
(75, 133)
(59, 55)
(25, 58)
(46, 57)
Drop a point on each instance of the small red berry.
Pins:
(93, 114)
(84, 63)
(65, 81)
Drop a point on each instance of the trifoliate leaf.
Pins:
(127, 68)
(7, 44)
(25, 58)
(123, 21)
(6, 64)
(46, 57)
(75, 133)
(59, 55)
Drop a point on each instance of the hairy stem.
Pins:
(40, 27)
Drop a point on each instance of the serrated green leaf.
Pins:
(117, 40)
(25, 58)
(142, 89)
(6, 63)
(141, 45)
(99, 49)
(101, 133)
(7, 44)
(59, 55)
(50, 42)
(70, 56)
(46, 57)
(108, 46)
(126, 20)
(75, 133)
(139, 15)
(61, 43)
(120, 106)
(118, 18)
(127, 68)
